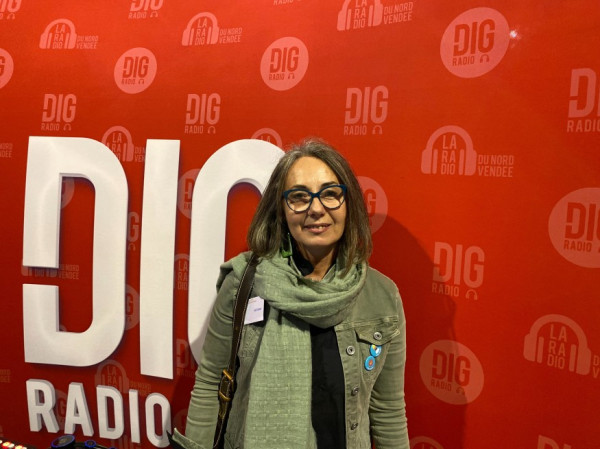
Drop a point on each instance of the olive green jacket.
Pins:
(374, 400)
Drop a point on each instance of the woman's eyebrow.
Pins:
(302, 186)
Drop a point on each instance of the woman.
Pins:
(324, 367)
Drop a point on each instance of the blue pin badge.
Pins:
(370, 363)
(375, 350)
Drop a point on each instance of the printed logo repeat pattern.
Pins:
(366, 110)
(574, 227)
(473, 131)
(475, 42)
(7, 67)
(284, 63)
(451, 372)
(559, 342)
(584, 106)
(135, 70)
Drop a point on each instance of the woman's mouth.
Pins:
(317, 228)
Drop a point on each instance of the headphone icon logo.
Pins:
(579, 355)
(112, 373)
(191, 30)
(268, 135)
(374, 16)
(467, 157)
(126, 152)
(472, 294)
(48, 35)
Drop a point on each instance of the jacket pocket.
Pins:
(377, 332)
(373, 338)
(179, 441)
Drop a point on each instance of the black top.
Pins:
(327, 410)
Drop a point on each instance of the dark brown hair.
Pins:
(268, 229)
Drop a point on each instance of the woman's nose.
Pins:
(316, 208)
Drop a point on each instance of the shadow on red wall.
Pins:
(429, 317)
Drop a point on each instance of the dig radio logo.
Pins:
(457, 270)
(60, 407)
(135, 70)
(366, 110)
(7, 67)
(359, 14)
(284, 63)
(559, 342)
(376, 202)
(574, 227)
(475, 42)
(451, 372)
(584, 103)
(144, 9)
(184, 360)
(185, 190)
(132, 307)
(134, 225)
(58, 112)
(9, 9)
(202, 113)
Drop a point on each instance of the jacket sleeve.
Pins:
(204, 402)
(387, 407)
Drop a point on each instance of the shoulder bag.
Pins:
(227, 384)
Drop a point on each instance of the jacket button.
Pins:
(354, 391)
(377, 336)
(350, 350)
(354, 426)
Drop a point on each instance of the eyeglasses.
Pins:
(331, 197)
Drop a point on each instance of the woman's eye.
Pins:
(299, 196)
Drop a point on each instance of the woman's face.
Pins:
(316, 230)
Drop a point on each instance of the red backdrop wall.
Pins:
(474, 130)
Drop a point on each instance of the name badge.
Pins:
(255, 311)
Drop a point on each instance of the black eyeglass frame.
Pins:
(285, 195)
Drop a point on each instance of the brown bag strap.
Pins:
(226, 386)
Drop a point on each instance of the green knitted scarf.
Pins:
(278, 415)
